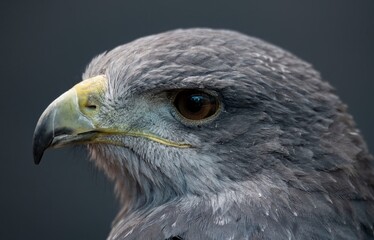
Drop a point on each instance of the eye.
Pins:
(195, 104)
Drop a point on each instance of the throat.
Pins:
(135, 184)
(135, 195)
(138, 199)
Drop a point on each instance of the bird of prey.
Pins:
(212, 134)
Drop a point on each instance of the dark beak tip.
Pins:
(37, 158)
(42, 139)
(37, 153)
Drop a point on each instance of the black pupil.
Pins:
(195, 103)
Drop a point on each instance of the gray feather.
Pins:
(283, 159)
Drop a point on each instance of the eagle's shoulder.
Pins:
(236, 216)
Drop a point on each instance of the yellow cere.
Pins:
(89, 93)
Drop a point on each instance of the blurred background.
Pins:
(45, 46)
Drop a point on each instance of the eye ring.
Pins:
(196, 106)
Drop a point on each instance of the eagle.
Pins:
(213, 134)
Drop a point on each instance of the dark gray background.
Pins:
(45, 46)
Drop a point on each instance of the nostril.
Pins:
(92, 107)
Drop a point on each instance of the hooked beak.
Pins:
(71, 118)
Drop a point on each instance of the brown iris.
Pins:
(195, 104)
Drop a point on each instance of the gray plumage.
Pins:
(281, 160)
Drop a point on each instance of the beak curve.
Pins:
(70, 119)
